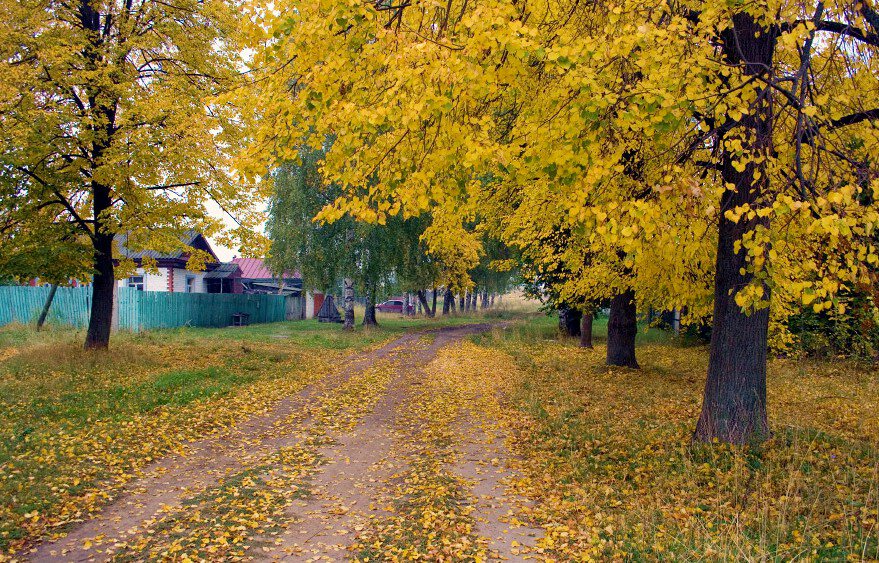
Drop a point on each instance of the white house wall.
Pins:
(180, 275)
(151, 281)
(200, 286)
(158, 281)
(179, 280)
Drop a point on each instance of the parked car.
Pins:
(393, 306)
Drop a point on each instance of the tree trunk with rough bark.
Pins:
(461, 298)
(369, 314)
(46, 306)
(448, 301)
(101, 314)
(734, 402)
(433, 309)
(422, 300)
(586, 330)
(569, 322)
(103, 102)
(622, 328)
(349, 303)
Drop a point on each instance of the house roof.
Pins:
(224, 270)
(255, 268)
(191, 238)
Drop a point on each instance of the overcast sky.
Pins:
(224, 253)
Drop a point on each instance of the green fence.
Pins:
(22, 304)
(143, 310)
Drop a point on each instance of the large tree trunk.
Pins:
(102, 101)
(448, 301)
(422, 300)
(433, 309)
(45, 312)
(369, 314)
(734, 403)
(101, 314)
(462, 296)
(349, 303)
(586, 330)
(622, 328)
(569, 322)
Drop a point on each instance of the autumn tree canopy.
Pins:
(683, 145)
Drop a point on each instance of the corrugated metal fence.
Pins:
(23, 305)
(143, 310)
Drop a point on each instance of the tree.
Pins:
(752, 127)
(321, 253)
(363, 255)
(586, 329)
(48, 304)
(110, 122)
(416, 268)
(348, 290)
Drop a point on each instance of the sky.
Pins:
(224, 253)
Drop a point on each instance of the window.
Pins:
(190, 284)
(136, 282)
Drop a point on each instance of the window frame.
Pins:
(132, 282)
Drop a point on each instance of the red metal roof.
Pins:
(255, 268)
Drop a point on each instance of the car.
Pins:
(393, 306)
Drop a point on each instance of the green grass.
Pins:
(174, 388)
(541, 327)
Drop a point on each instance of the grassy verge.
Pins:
(609, 460)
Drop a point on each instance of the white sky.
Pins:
(224, 253)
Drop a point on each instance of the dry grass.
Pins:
(610, 462)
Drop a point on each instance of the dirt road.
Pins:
(357, 465)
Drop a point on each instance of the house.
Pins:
(173, 275)
(257, 278)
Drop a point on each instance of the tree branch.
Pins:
(839, 28)
(853, 118)
(61, 199)
(172, 186)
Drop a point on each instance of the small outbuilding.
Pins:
(329, 313)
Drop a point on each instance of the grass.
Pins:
(605, 453)
(608, 456)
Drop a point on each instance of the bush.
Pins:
(854, 333)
